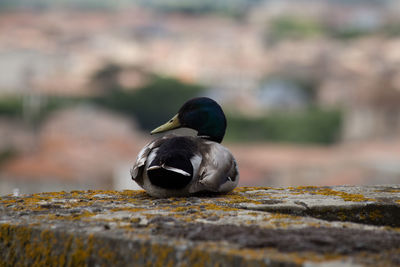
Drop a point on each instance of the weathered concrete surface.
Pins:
(303, 226)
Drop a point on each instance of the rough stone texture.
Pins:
(302, 226)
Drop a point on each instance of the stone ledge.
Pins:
(300, 226)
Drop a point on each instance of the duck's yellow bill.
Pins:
(170, 125)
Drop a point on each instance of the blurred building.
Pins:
(79, 148)
(288, 165)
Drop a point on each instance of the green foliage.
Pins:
(309, 126)
(347, 33)
(391, 30)
(106, 79)
(225, 7)
(293, 28)
(54, 103)
(11, 106)
(233, 8)
(152, 104)
(159, 100)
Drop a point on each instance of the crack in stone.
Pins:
(301, 203)
(381, 214)
(322, 240)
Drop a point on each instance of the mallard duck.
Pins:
(175, 165)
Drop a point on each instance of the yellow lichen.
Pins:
(342, 215)
(107, 254)
(234, 198)
(388, 190)
(134, 221)
(330, 192)
(130, 209)
(375, 215)
(36, 247)
(81, 251)
(197, 258)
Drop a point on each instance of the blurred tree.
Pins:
(153, 103)
(391, 29)
(106, 79)
(347, 33)
(309, 126)
(232, 8)
(289, 27)
(11, 106)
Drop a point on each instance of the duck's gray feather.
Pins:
(218, 169)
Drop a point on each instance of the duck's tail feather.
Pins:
(171, 172)
(169, 168)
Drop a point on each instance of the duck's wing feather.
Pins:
(137, 169)
(218, 170)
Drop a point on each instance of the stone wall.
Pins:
(301, 226)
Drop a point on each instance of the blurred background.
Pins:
(311, 89)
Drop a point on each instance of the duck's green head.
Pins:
(201, 114)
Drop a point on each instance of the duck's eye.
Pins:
(170, 121)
